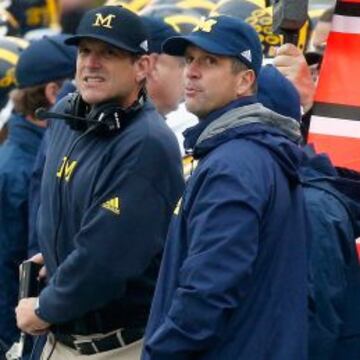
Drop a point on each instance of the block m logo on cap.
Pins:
(206, 25)
(104, 21)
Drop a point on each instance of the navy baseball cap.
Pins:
(221, 35)
(277, 93)
(114, 25)
(45, 60)
(159, 31)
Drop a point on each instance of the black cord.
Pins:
(71, 149)
(52, 350)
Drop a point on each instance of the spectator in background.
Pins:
(41, 69)
(332, 198)
(332, 201)
(71, 12)
(164, 83)
(316, 49)
(321, 32)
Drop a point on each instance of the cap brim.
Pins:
(177, 45)
(74, 40)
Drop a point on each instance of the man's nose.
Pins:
(93, 60)
(192, 70)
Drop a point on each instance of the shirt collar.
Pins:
(192, 134)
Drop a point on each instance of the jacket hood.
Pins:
(278, 133)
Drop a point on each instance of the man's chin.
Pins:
(193, 108)
(92, 99)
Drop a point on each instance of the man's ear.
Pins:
(142, 67)
(51, 91)
(245, 82)
(153, 60)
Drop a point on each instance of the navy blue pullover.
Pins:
(103, 218)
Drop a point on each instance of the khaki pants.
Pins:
(63, 352)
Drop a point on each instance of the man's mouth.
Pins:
(93, 79)
(191, 91)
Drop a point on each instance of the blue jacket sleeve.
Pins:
(223, 224)
(13, 242)
(110, 248)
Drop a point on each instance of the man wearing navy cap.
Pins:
(165, 79)
(111, 180)
(232, 283)
(39, 73)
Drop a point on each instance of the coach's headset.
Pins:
(105, 118)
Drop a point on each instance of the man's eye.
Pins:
(83, 50)
(188, 59)
(210, 60)
(110, 52)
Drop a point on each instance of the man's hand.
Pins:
(290, 61)
(27, 320)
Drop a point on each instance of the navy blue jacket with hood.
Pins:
(332, 198)
(103, 219)
(232, 283)
(332, 203)
(17, 157)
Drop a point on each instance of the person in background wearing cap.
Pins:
(232, 283)
(164, 82)
(39, 73)
(110, 184)
(165, 79)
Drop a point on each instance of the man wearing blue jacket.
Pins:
(332, 198)
(232, 283)
(35, 86)
(332, 201)
(111, 180)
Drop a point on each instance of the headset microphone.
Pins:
(43, 114)
(106, 118)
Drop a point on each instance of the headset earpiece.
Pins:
(76, 107)
(111, 117)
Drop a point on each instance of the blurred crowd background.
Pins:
(26, 20)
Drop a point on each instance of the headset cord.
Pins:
(67, 156)
(71, 149)
(52, 350)
(36, 343)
